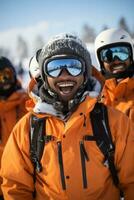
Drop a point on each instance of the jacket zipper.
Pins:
(61, 165)
(84, 157)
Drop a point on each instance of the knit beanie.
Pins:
(65, 44)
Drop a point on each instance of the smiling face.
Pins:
(117, 66)
(65, 85)
(116, 59)
(6, 78)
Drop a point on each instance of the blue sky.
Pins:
(68, 15)
(45, 18)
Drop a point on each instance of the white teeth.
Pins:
(118, 68)
(66, 84)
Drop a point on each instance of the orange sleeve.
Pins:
(97, 74)
(124, 152)
(17, 169)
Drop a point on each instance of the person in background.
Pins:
(114, 50)
(12, 102)
(35, 81)
(71, 166)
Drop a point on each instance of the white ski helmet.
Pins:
(112, 36)
(34, 69)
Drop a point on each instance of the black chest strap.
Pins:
(102, 134)
(37, 142)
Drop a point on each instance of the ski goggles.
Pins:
(121, 53)
(73, 66)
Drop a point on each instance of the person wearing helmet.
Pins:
(115, 54)
(34, 70)
(12, 99)
(71, 165)
(35, 81)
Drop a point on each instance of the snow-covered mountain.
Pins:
(8, 38)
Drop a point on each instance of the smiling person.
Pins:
(12, 102)
(57, 152)
(114, 50)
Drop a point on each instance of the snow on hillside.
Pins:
(8, 39)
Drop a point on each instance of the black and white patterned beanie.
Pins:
(65, 44)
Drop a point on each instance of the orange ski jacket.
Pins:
(18, 172)
(120, 96)
(11, 110)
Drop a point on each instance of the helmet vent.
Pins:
(123, 36)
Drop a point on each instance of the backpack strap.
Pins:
(38, 139)
(37, 126)
(37, 142)
(102, 133)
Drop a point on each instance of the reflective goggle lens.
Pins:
(54, 67)
(111, 54)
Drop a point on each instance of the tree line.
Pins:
(88, 35)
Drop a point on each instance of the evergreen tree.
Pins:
(22, 48)
(88, 34)
(123, 24)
